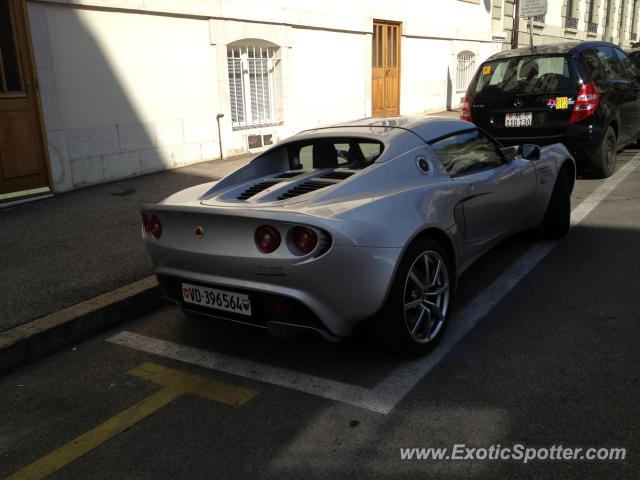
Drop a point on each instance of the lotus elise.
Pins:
(366, 223)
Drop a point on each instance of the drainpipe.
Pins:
(218, 117)
(516, 24)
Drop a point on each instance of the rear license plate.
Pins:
(518, 119)
(217, 299)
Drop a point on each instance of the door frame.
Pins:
(399, 57)
(24, 47)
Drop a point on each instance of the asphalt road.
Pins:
(63, 250)
(554, 362)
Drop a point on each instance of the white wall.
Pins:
(134, 93)
(331, 73)
(113, 67)
(135, 86)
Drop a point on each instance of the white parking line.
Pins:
(386, 395)
(322, 387)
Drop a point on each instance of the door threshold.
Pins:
(15, 198)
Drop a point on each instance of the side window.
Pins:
(467, 152)
(612, 67)
(629, 69)
(592, 65)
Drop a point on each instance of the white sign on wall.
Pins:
(533, 8)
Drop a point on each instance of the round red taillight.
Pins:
(304, 238)
(267, 238)
(154, 227)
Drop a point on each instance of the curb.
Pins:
(45, 335)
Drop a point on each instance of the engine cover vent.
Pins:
(257, 188)
(338, 175)
(291, 174)
(301, 189)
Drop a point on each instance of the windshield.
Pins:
(538, 74)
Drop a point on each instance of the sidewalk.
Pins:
(58, 252)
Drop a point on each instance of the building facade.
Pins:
(613, 21)
(94, 91)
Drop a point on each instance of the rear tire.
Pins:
(604, 163)
(557, 218)
(414, 317)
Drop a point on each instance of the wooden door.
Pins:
(23, 168)
(385, 69)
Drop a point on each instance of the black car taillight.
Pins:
(465, 113)
(586, 102)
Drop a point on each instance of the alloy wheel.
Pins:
(426, 296)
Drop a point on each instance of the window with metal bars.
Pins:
(571, 14)
(465, 70)
(253, 75)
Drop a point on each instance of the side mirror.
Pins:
(529, 151)
(510, 153)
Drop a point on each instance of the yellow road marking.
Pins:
(175, 384)
(194, 384)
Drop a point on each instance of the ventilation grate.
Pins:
(259, 140)
(301, 189)
(257, 188)
(338, 175)
(254, 141)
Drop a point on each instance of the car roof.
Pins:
(426, 127)
(572, 48)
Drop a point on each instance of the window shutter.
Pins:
(259, 85)
(595, 5)
(624, 21)
(609, 11)
(236, 93)
(575, 8)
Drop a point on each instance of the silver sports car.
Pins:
(373, 220)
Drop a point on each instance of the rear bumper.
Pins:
(582, 141)
(331, 293)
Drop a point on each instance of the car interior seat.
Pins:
(325, 155)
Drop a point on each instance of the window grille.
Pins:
(252, 84)
(466, 69)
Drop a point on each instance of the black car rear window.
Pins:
(532, 74)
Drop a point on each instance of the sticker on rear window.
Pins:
(486, 70)
(560, 103)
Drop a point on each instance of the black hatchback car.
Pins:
(585, 95)
(634, 55)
